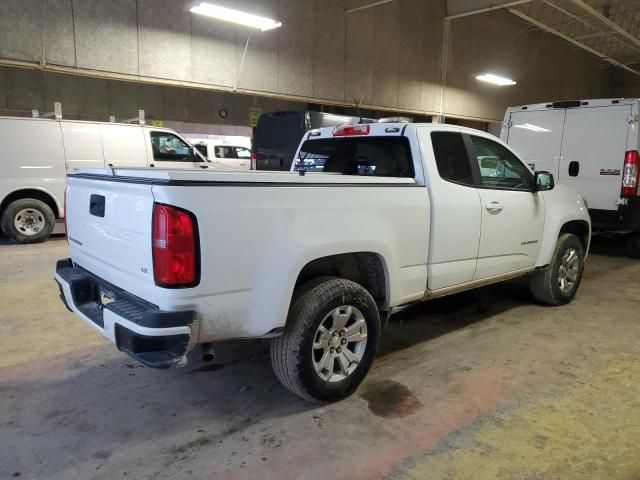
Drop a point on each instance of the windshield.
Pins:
(367, 156)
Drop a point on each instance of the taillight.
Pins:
(254, 160)
(350, 130)
(66, 209)
(630, 173)
(175, 244)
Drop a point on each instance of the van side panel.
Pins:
(82, 144)
(32, 157)
(124, 145)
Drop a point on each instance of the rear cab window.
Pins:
(452, 158)
(383, 156)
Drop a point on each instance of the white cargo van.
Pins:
(591, 145)
(233, 155)
(37, 153)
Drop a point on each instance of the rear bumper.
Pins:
(625, 219)
(153, 337)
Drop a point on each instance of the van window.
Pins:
(226, 151)
(202, 148)
(499, 168)
(242, 152)
(168, 147)
(368, 156)
(451, 157)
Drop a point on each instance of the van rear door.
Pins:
(593, 149)
(536, 136)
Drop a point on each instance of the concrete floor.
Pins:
(483, 385)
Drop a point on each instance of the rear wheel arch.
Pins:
(368, 269)
(37, 194)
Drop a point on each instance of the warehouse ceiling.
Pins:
(609, 29)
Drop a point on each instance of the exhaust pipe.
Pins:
(207, 352)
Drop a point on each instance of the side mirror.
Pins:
(543, 181)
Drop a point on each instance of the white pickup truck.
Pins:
(163, 261)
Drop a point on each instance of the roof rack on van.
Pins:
(57, 112)
(139, 119)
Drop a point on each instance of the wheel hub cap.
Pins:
(29, 221)
(339, 343)
(569, 270)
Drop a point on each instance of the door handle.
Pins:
(574, 168)
(494, 206)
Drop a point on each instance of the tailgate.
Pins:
(109, 231)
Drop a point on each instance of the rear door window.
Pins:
(364, 156)
(452, 158)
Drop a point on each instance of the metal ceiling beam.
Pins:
(607, 21)
(575, 42)
(490, 8)
(369, 5)
(609, 35)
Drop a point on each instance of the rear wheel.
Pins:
(330, 341)
(557, 284)
(27, 221)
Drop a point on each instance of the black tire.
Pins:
(292, 352)
(38, 209)
(545, 284)
(633, 245)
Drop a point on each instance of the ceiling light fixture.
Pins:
(234, 16)
(495, 79)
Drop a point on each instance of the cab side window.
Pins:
(169, 148)
(499, 168)
(451, 157)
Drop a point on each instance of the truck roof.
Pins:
(392, 129)
(586, 103)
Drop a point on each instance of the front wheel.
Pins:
(557, 284)
(28, 221)
(330, 341)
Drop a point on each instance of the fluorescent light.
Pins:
(234, 16)
(533, 128)
(495, 79)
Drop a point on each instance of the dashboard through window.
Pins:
(499, 168)
(365, 156)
